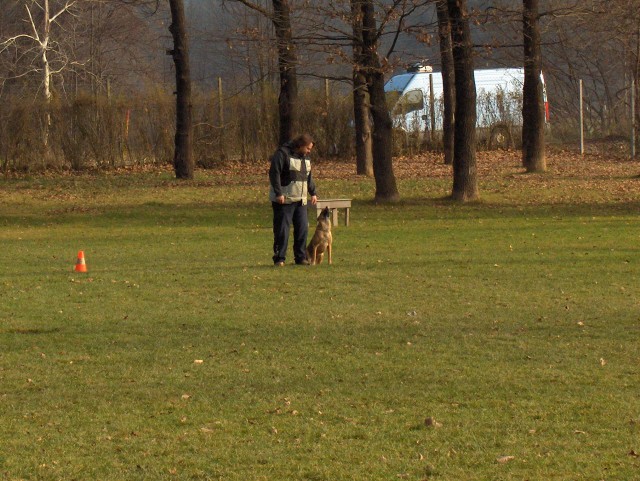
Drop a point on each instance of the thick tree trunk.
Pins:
(386, 188)
(287, 59)
(183, 155)
(465, 176)
(361, 112)
(361, 99)
(448, 80)
(533, 156)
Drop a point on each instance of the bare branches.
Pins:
(254, 6)
(405, 13)
(65, 9)
(40, 38)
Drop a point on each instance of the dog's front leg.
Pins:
(329, 252)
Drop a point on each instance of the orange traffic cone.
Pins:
(80, 264)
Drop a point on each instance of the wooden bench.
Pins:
(334, 205)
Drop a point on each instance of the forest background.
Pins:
(107, 99)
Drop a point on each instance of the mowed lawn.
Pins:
(498, 340)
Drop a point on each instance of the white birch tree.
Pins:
(38, 50)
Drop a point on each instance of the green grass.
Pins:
(513, 323)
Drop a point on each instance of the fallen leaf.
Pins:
(505, 459)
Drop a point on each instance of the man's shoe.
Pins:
(303, 262)
(279, 264)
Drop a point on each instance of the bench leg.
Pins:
(346, 216)
(334, 216)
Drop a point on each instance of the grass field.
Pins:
(490, 341)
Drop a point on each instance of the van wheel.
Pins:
(500, 138)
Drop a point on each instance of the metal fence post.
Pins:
(432, 106)
(581, 121)
(221, 133)
(633, 119)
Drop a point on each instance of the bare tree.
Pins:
(364, 26)
(361, 98)
(386, 188)
(623, 25)
(183, 154)
(287, 60)
(360, 31)
(118, 45)
(589, 40)
(40, 47)
(465, 178)
(280, 16)
(533, 157)
(448, 79)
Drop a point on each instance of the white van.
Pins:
(416, 104)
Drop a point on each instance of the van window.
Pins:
(411, 101)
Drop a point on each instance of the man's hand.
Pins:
(280, 199)
(314, 199)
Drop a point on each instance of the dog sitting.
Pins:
(321, 240)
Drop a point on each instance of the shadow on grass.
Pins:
(31, 331)
(434, 207)
(252, 215)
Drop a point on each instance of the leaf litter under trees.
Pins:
(605, 174)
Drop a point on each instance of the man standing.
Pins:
(290, 181)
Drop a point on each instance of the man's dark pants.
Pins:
(283, 216)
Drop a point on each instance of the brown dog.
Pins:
(321, 240)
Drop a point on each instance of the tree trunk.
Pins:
(287, 59)
(386, 188)
(46, 82)
(362, 114)
(448, 80)
(533, 157)
(183, 155)
(465, 176)
(361, 99)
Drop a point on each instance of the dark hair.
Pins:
(302, 140)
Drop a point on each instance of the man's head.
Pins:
(302, 144)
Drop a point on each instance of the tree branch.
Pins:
(36, 37)
(254, 7)
(64, 9)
